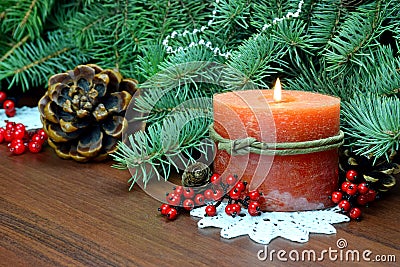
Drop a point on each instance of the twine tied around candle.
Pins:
(251, 145)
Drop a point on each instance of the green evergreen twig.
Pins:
(373, 124)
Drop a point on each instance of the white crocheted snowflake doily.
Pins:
(28, 116)
(294, 226)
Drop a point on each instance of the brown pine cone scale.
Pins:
(83, 111)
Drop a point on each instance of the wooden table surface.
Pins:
(58, 212)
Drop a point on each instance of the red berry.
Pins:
(37, 138)
(164, 209)
(188, 192)
(336, 197)
(371, 195)
(34, 147)
(188, 204)
(232, 209)
(209, 194)
(362, 200)
(42, 133)
(218, 194)
(345, 185)
(172, 195)
(351, 175)
(254, 195)
(1, 138)
(20, 126)
(10, 113)
(10, 125)
(199, 199)
(236, 209)
(8, 105)
(241, 186)
(172, 214)
(235, 194)
(344, 205)
(3, 96)
(177, 190)
(254, 208)
(215, 179)
(230, 180)
(18, 149)
(14, 142)
(362, 188)
(18, 133)
(8, 136)
(174, 199)
(352, 189)
(355, 213)
(228, 209)
(211, 210)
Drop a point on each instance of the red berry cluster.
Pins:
(170, 212)
(231, 189)
(8, 104)
(19, 139)
(238, 198)
(353, 193)
(187, 198)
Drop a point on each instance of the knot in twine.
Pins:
(251, 145)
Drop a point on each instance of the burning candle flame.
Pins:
(277, 91)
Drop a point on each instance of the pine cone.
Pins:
(83, 111)
(196, 174)
(378, 174)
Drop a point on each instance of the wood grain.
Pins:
(58, 212)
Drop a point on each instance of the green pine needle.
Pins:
(165, 145)
(253, 62)
(25, 17)
(358, 31)
(34, 62)
(325, 20)
(232, 15)
(374, 125)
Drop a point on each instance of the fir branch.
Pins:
(15, 46)
(373, 124)
(5, 7)
(293, 37)
(358, 31)
(254, 61)
(168, 16)
(381, 76)
(265, 11)
(33, 62)
(118, 37)
(324, 23)
(313, 77)
(190, 13)
(191, 67)
(27, 17)
(178, 83)
(148, 61)
(232, 15)
(85, 24)
(156, 104)
(163, 146)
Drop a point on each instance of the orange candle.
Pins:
(289, 182)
